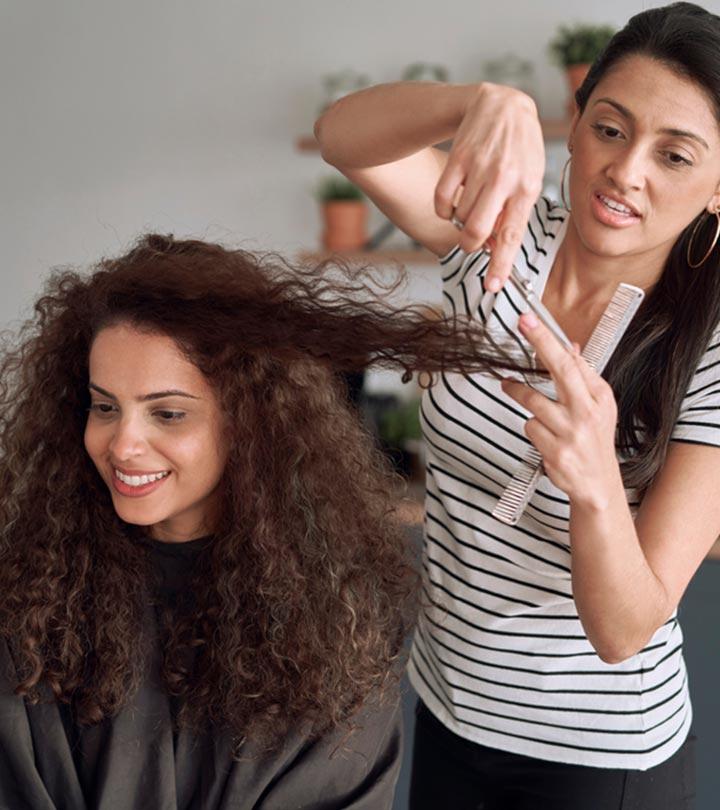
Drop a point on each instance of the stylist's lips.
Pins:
(613, 211)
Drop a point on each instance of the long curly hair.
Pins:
(301, 602)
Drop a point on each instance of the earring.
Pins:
(562, 184)
(700, 222)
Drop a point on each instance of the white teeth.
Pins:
(616, 206)
(139, 480)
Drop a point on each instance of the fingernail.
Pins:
(494, 284)
(529, 320)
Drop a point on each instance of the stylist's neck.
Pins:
(579, 272)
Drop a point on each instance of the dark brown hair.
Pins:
(301, 601)
(652, 367)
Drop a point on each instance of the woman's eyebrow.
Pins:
(676, 133)
(172, 392)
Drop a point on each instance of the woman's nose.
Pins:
(128, 440)
(628, 170)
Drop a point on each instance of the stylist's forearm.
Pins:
(390, 121)
(620, 600)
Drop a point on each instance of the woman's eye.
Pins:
(102, 408)
(170, 416)
(611, 133)
(674, 159)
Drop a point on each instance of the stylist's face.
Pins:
(645, 160)
(155, 433)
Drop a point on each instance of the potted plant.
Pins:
(425, 72)
(345, 214)
(575, 48)
(398, 425)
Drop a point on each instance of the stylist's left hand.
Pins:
(576, 433)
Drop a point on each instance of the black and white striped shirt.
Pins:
(499, 654)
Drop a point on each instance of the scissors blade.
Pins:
(525, 288)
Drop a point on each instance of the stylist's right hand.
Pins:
(494, 175)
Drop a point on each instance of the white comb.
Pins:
(598, 350)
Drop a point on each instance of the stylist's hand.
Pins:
(494, 175)
(575, 434)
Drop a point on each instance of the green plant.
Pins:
(399, 423)
(337, 188)
(425, 72)
(580, 43)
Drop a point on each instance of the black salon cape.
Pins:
(135, 762)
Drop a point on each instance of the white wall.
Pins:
(118, 117)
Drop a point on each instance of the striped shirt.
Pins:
(499, 654)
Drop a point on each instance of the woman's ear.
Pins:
(571, 135)
(713, 206)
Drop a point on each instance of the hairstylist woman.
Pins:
(548, 656)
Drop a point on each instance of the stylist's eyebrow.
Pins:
(676, 133)
(172, 392)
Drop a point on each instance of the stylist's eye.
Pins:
(607, 132)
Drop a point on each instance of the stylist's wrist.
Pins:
(509, 96)
(597, 496)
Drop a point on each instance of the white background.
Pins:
(126, 116)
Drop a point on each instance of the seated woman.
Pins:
(203, 589)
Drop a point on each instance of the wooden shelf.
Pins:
(384, 256)
(554, 129)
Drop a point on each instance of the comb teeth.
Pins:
(598, 350)
(518, 492)
(612, 325)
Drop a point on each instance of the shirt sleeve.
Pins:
(699, 418)
(462, 279)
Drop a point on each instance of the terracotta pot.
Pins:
(575, 77)
(345, 224)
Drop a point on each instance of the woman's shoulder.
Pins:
(7, 664)
(698, 419)
(8, 680)
(547, 219)
(705, 378)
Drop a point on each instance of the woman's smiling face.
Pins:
(645, 160)
(155, 433)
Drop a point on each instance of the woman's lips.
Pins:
(609, 216)
(135, 492)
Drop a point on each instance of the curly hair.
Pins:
(303, 598)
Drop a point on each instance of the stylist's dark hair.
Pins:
(654, 363)
(302, 601)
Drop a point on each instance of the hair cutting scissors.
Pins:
(523, 285)
(526, 290)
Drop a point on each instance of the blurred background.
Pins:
(196, 119)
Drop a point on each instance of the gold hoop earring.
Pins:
(700, 222)
(562, 184)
